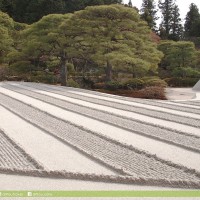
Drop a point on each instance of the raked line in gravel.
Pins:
(12, 156)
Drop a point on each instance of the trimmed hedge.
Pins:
(153, 92)
(132, 84)
(181, 82)
(135, 83)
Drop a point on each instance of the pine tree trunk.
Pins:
(63, 70)
(108, 72)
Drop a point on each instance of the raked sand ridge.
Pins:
(74, 134)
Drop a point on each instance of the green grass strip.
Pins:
(186, 193)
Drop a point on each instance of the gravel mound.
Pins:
(197, 86)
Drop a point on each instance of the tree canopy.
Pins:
(6, 31)
(178, 54)
(104, 41)
(192, 23)
(119, 39)
(112, 36)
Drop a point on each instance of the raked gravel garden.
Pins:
(65, 138)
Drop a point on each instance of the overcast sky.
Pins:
(183, 5)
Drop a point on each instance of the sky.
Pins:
(182, 4)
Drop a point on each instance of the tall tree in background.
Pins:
(29, 11)
(176, 32)
(192, 23)
(148, 13)
(167, 8)
(7, 6)
(130, 3)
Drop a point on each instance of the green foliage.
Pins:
(176, 33)
(181, 60)
(148, 13)
(192, 23)
(171, 26)
(130, 3)
(42, 77)
(134, 83)
(181, 82)
(70, 68)
(113, 85)
(140, 83)
(45, 43)
(21, 67)
(178, 54)
(29, 11)
(115, 38)
(154, 82)
(166, 7)
(186, 72)
(72, 83)
(6, 40)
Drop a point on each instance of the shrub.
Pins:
(186, 72)
(21, 67)
(153, 93)
(42, 77)
(72, 83)
(99, 86)
(181, 82)
(87, 82)
(154, 81)
(113, 85)
(134, 83)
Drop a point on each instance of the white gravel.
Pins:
(163, 150)
(51, 153)
(110, 144)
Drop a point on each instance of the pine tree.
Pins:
(177, 28)
(192, 23)
(122, 44)
(167, 8)
(130, 3)
(6, 39)
(148, 13)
